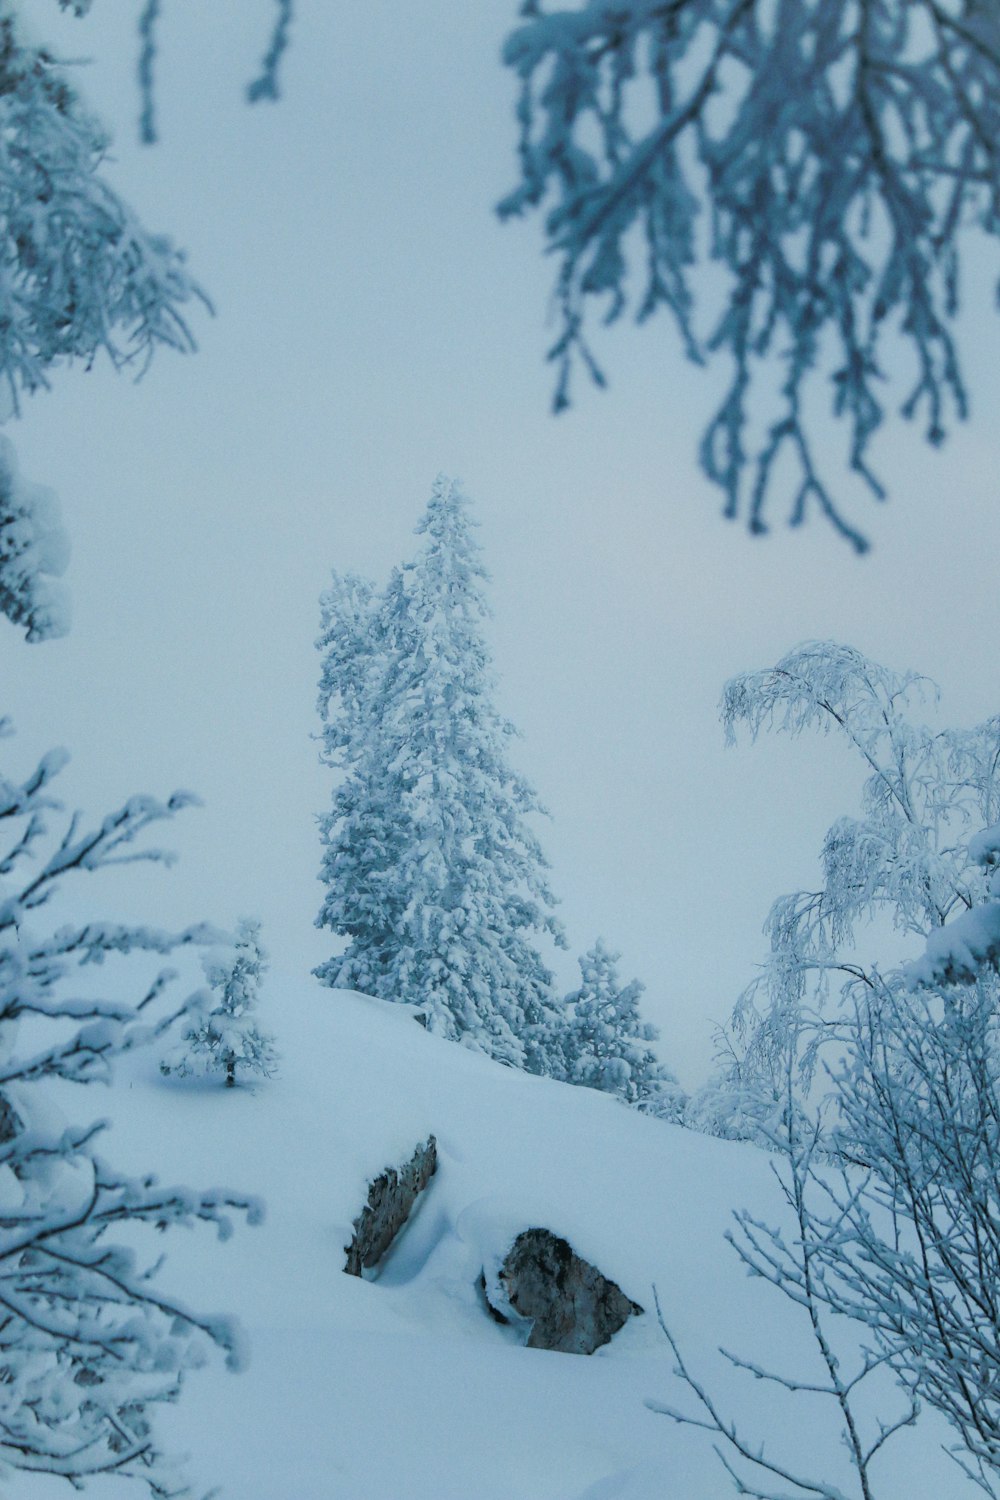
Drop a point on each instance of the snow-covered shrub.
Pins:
(904, 1236)
(736, 1112)
(431, 870)
(228, 1038)
(87, 1345)
(914, 1251)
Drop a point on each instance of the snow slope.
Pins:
(401, 1387)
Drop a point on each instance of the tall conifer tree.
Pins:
(364, 830)
(432, 872)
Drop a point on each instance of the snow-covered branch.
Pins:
(87, 1345)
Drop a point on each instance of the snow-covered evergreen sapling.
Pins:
(432, 871)
(604, 1043)
(228, 1037)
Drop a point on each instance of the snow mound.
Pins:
(402, 1387)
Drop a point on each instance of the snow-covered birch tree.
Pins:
(88, 1346)
(905, 857)
(832, 158)
(433, 873)
(904, 1238)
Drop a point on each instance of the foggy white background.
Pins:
(376, 325)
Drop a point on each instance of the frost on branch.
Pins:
(264, 86)
(78, 275)
(87, 1346)
(831, 156)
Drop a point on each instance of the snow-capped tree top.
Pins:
(348, 639)
(824, 685)
(237, 975)
(448, 522)
(605, 1011)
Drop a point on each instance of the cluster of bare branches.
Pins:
(830, 155)
(888, 1139)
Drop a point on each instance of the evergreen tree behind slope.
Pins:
(433, 873)
(605, 1043)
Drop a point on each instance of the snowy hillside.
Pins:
(402, 1387)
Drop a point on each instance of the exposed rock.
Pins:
(10, 1120)
(568, 1304)
(390, 1201)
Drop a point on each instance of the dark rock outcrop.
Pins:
(570, 1305)
(10, 1120)
(390, 1201)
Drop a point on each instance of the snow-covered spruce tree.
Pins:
(87, 1345)
(906, 856)
(433, 873)
(365, 831)
(228, 1038)
(832, 157)
(605, 1044)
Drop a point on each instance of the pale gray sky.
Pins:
(376, 325)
